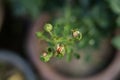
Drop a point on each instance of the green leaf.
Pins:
(50, 49)
(115, 5)
(118, 21)
(69, 54)
(100, 18)
(46, 58)
(38, 34)
(60, 56)
(32, 7)
(116, 42)
(77, 56)
(68, 57)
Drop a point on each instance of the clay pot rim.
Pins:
(112, 70)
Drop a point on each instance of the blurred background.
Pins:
(98, 20)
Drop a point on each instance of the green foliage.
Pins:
(115, 5)
(47, 57)
(77, 56)
(59, 45)
(118, 21)
(94, 24)
(116, 42)
(31, 7)
(93, 20)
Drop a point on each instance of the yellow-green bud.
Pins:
(48, 27)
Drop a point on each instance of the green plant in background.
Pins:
(116, 42)
(32, 8)
(63, 37)
(93, 25)
(115, 6)
(92, 21)
(59, 45)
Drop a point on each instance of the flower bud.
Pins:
(45, 57)
(48, 27)
(44, 54)
(76, 34)
(60, 48)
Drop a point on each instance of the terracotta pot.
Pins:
(49, 70)
(15, 66)
(1, 14)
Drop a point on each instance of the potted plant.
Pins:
(94, 48)
(14, 67)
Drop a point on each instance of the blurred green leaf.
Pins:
(69, 54)
(46, 58)
(100, 16)
(115, 5)
(60, 56)
(77, 56)
(116, 42)
(49, 50)
(118, 21)
(32, 7)
(38, 34)
(69, 57)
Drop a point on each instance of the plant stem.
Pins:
(67, 11)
